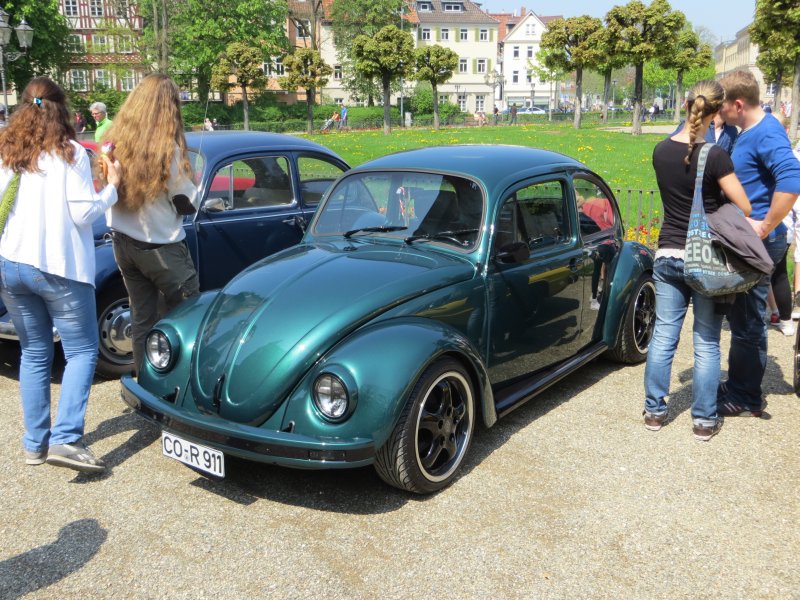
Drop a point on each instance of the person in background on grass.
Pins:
(156, 193)
(513, 115)
(770, 174)
(675, 162)
(343, 117)
(495, 111)
(80, 122)
(47, 265)
(100, 115)
(208, 125)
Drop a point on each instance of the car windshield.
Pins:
(412, 206)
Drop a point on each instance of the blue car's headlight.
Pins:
(331, 397)
(158, 351)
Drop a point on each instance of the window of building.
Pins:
(515, 51)
(121, 8)
(303, 29)
(462, 102)
(426, 35)
(442, 98)
(99, 44)
(462, 65)
(514, 76)
(770, 91)
(480, 103)
(424, 6)
(102, 78)
(96, 8)
(337, 72)
(484, 35)
(453, 7)
(445, 34)
(463, 35)
(277, 67)
(338, 101)
(530, 51)
(481, 64)
(128, 81)
(124, 44)
(75, 43)
(77, 80)
(528, 77)
(71, 8)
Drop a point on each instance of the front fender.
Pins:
(634, 260)
(380, 364)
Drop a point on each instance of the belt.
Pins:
(118, 235)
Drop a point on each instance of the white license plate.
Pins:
(195, 455)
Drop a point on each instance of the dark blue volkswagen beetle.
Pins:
(257, 190)
(434, 289)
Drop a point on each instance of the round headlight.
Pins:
(330, 396)
(158, 351)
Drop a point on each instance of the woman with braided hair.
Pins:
(47, 265)
(675, 162)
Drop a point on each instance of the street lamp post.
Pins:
(24, 36)
(533, 92)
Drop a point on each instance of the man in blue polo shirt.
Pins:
(770, 173)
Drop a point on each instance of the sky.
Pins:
(724, 20)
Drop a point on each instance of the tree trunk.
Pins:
(309, 111)
(550, 101)
(156, 35)
(203, 87)
(777, 96)
(387, 107)
(245, 108)
(578, 97)
(606, 89)
(636, 129)
(435, 106)
(795, 101)
(678, 95)
(164, 46)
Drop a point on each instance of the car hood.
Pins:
(269, 325)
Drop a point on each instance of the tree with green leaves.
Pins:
(643, 33)
(387, 56)
(49, 49)
(350, 18)
(776, 28)
(304, 68)
(435, 64)
(200, 31)
(607, 59)
(244, 64)
(571, 45)
(687, 53)
(546, 71)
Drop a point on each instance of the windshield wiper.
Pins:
(384, 229)
(442, 235)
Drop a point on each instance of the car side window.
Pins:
(595, 211)
(263, 181)
(535, 215)
(316, 176)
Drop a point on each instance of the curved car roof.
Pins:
(216, 143)
(489, 163)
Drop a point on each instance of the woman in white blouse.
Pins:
(47, 269)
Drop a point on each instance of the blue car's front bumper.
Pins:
(253, 443)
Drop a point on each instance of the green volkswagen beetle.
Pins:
(434, 290)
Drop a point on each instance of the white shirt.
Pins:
(157, 222)
(50, 225)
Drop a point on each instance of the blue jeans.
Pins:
(36, 301)
(747, 359)
(672, 301)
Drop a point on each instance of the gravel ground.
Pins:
(567, 497)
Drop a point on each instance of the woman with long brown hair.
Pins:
(47, 267)
(156, 192)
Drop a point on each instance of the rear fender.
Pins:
(380, 364)
(634, 260)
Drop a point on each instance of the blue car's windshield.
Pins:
(411, 206)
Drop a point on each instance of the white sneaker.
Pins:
(795, 315)
(787, 328)
(594, 305)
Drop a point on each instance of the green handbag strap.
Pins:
(7, 203)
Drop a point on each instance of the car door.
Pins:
(251, 209)
(535, 299)
(599, 229)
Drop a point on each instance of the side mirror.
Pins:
(515, 252)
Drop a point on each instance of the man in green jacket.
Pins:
(100, 114)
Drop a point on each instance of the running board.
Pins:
(517, 394)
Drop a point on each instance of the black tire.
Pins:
(427, 446)
(637, 323)
(114, 324)
(797, 362)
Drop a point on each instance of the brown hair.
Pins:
(145, 132)
(705, 98)
(41, 124)
(741, 85)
